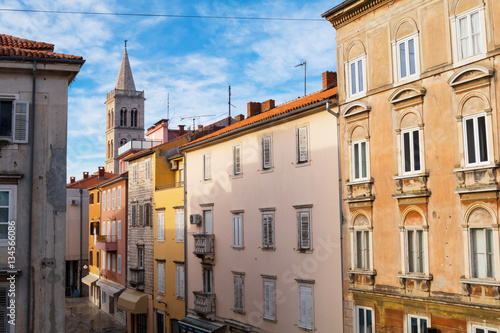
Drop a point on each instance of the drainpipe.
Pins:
(80, 263)
(185, 238)
(337, 115)
(31, 139)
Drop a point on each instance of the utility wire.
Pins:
(161, 15)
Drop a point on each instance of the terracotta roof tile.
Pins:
(19, 47)
(92, 181)
(279, 110)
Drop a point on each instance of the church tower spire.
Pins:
(124, 114)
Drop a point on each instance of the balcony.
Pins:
(106, 242)
(137, 277)
(204, 246)
(204, 303)
(137, 145)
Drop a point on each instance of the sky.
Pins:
(192, 61)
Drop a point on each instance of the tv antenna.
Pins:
(229, 104)
(195, 117)
(168, 106)
(304, 63)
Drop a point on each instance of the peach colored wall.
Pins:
(287, 185)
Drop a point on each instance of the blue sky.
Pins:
(192, 60)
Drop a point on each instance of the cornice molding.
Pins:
(352, 14)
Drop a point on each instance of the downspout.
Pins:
(337, 115)
(100, 228)
(80, 263)
(31, 139)
(185, 238)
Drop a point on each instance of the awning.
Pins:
(133, 301)
(109, 287)
(194, 325)
(89, 279)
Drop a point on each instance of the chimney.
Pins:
(239, 117)
(253, 108)
(329, 80)
(71, 180)
(200, 127)
(101, 172)
(267, 105)
(181, 130)
(85, 175)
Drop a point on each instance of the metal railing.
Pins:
(106, 238)
(204, 303)
(204, 244)
(137, 145)
(170, 185)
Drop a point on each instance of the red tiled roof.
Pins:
(19, 47)
(91, 181)
(279, 110)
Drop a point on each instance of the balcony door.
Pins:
(207, 222)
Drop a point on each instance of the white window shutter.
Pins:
(237, 160)
(235, 230)
(302, 144)
(119, 229)
(270, 230)
(272, 300)
(265, 231)
(304, 228)
(266, 152)
(206, 166)
(160, 283)
(160, 227)
(119, 199)
(179, 225)
(305, 307)
(20, 122)
(119, 268)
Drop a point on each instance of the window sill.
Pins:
(487, 283)
(469, 60)
(355, 97)
(271, 169)
(238, 248)
(302, 164)
(365, 276)
(306, 251)
(269, 249)
(237, 176)
(269, 320)
(422, 281)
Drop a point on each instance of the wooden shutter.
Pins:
(238, 293)
(134, 215)
(179, 281)
(306, 309)
(304, 231)
(160, 226)
(267, 231)
(119, 198)
(237, 230)
(266, 153)
(119, 268)
(269, 300)
(119, 231)
(179, 225)
(237, 160)
(20, 122)
(302, 146)
(160, 275)
(206, 166)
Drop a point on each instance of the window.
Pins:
(179, 281)
(108, 201)
(417, 324)
(160, 322)
(482, 253)
(470, 34)
(270, 298)
(207, 280)
(407, 57)
(268, 230)
(363, 247)
(238, 230)
(360, 160)
(483, 329)
(14, 121)
(133, 118)
(267, 161)
(147, 214)
(113, 265)
(304, 228)
(206, 167)
(160, 277)
(98, 196)
(104, 297)
(364, 319)
(108, 261)
(119, 229)
(476, 142)
(239, 292)
(302, 145)
(237, 160)
(113, 231)
(119, 197)
(160, 226)
(306, 307)
(356, 76)
(119, 264)
(4, 302)
(133, 216)
(103, 259)
(147, 169)
(179, 225)
(91, 258)
(91, 198)
(410, 151)
(415, 248)
(113, 206)
(103, 200)
(7, 209)
(140, 257)
(123, 117)
(98, 259)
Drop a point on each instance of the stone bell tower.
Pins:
(124, 114)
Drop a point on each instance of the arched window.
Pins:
(406, 50)
(122, 142)
(133, 118)
(111, 152)
(361, 234)
(123, 117)
(414, 237)
(356, 70)
(468, 26)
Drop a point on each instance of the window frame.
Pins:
(237, 163)
(473, 257)
(12, 194)
(360, 157)
(486, 329)
(267, 165)
(356, 316)
(160, 226)
(418, 270)
(405, 40)
(238, 230)
(179, 225)
(267, 243)
(477, 151)
(207, 176)
(455, 22)
(304, 323)
(419, 318)
(179, 282)
(239, 292)
(299, 212)
(358, 93)
(119, 263)
(299, 146)
(367, 253)
(160, 279)
(119, 197)
(21, 135)
(269, 303)
(413, 170)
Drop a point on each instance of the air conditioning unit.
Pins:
(174, 165)
(74, 202)
(195, 219)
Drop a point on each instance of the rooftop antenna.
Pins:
(168, 106)
(304, 63)
(194, 117)
(125, 43)
(229, 103)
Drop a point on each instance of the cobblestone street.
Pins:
(83, 316)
